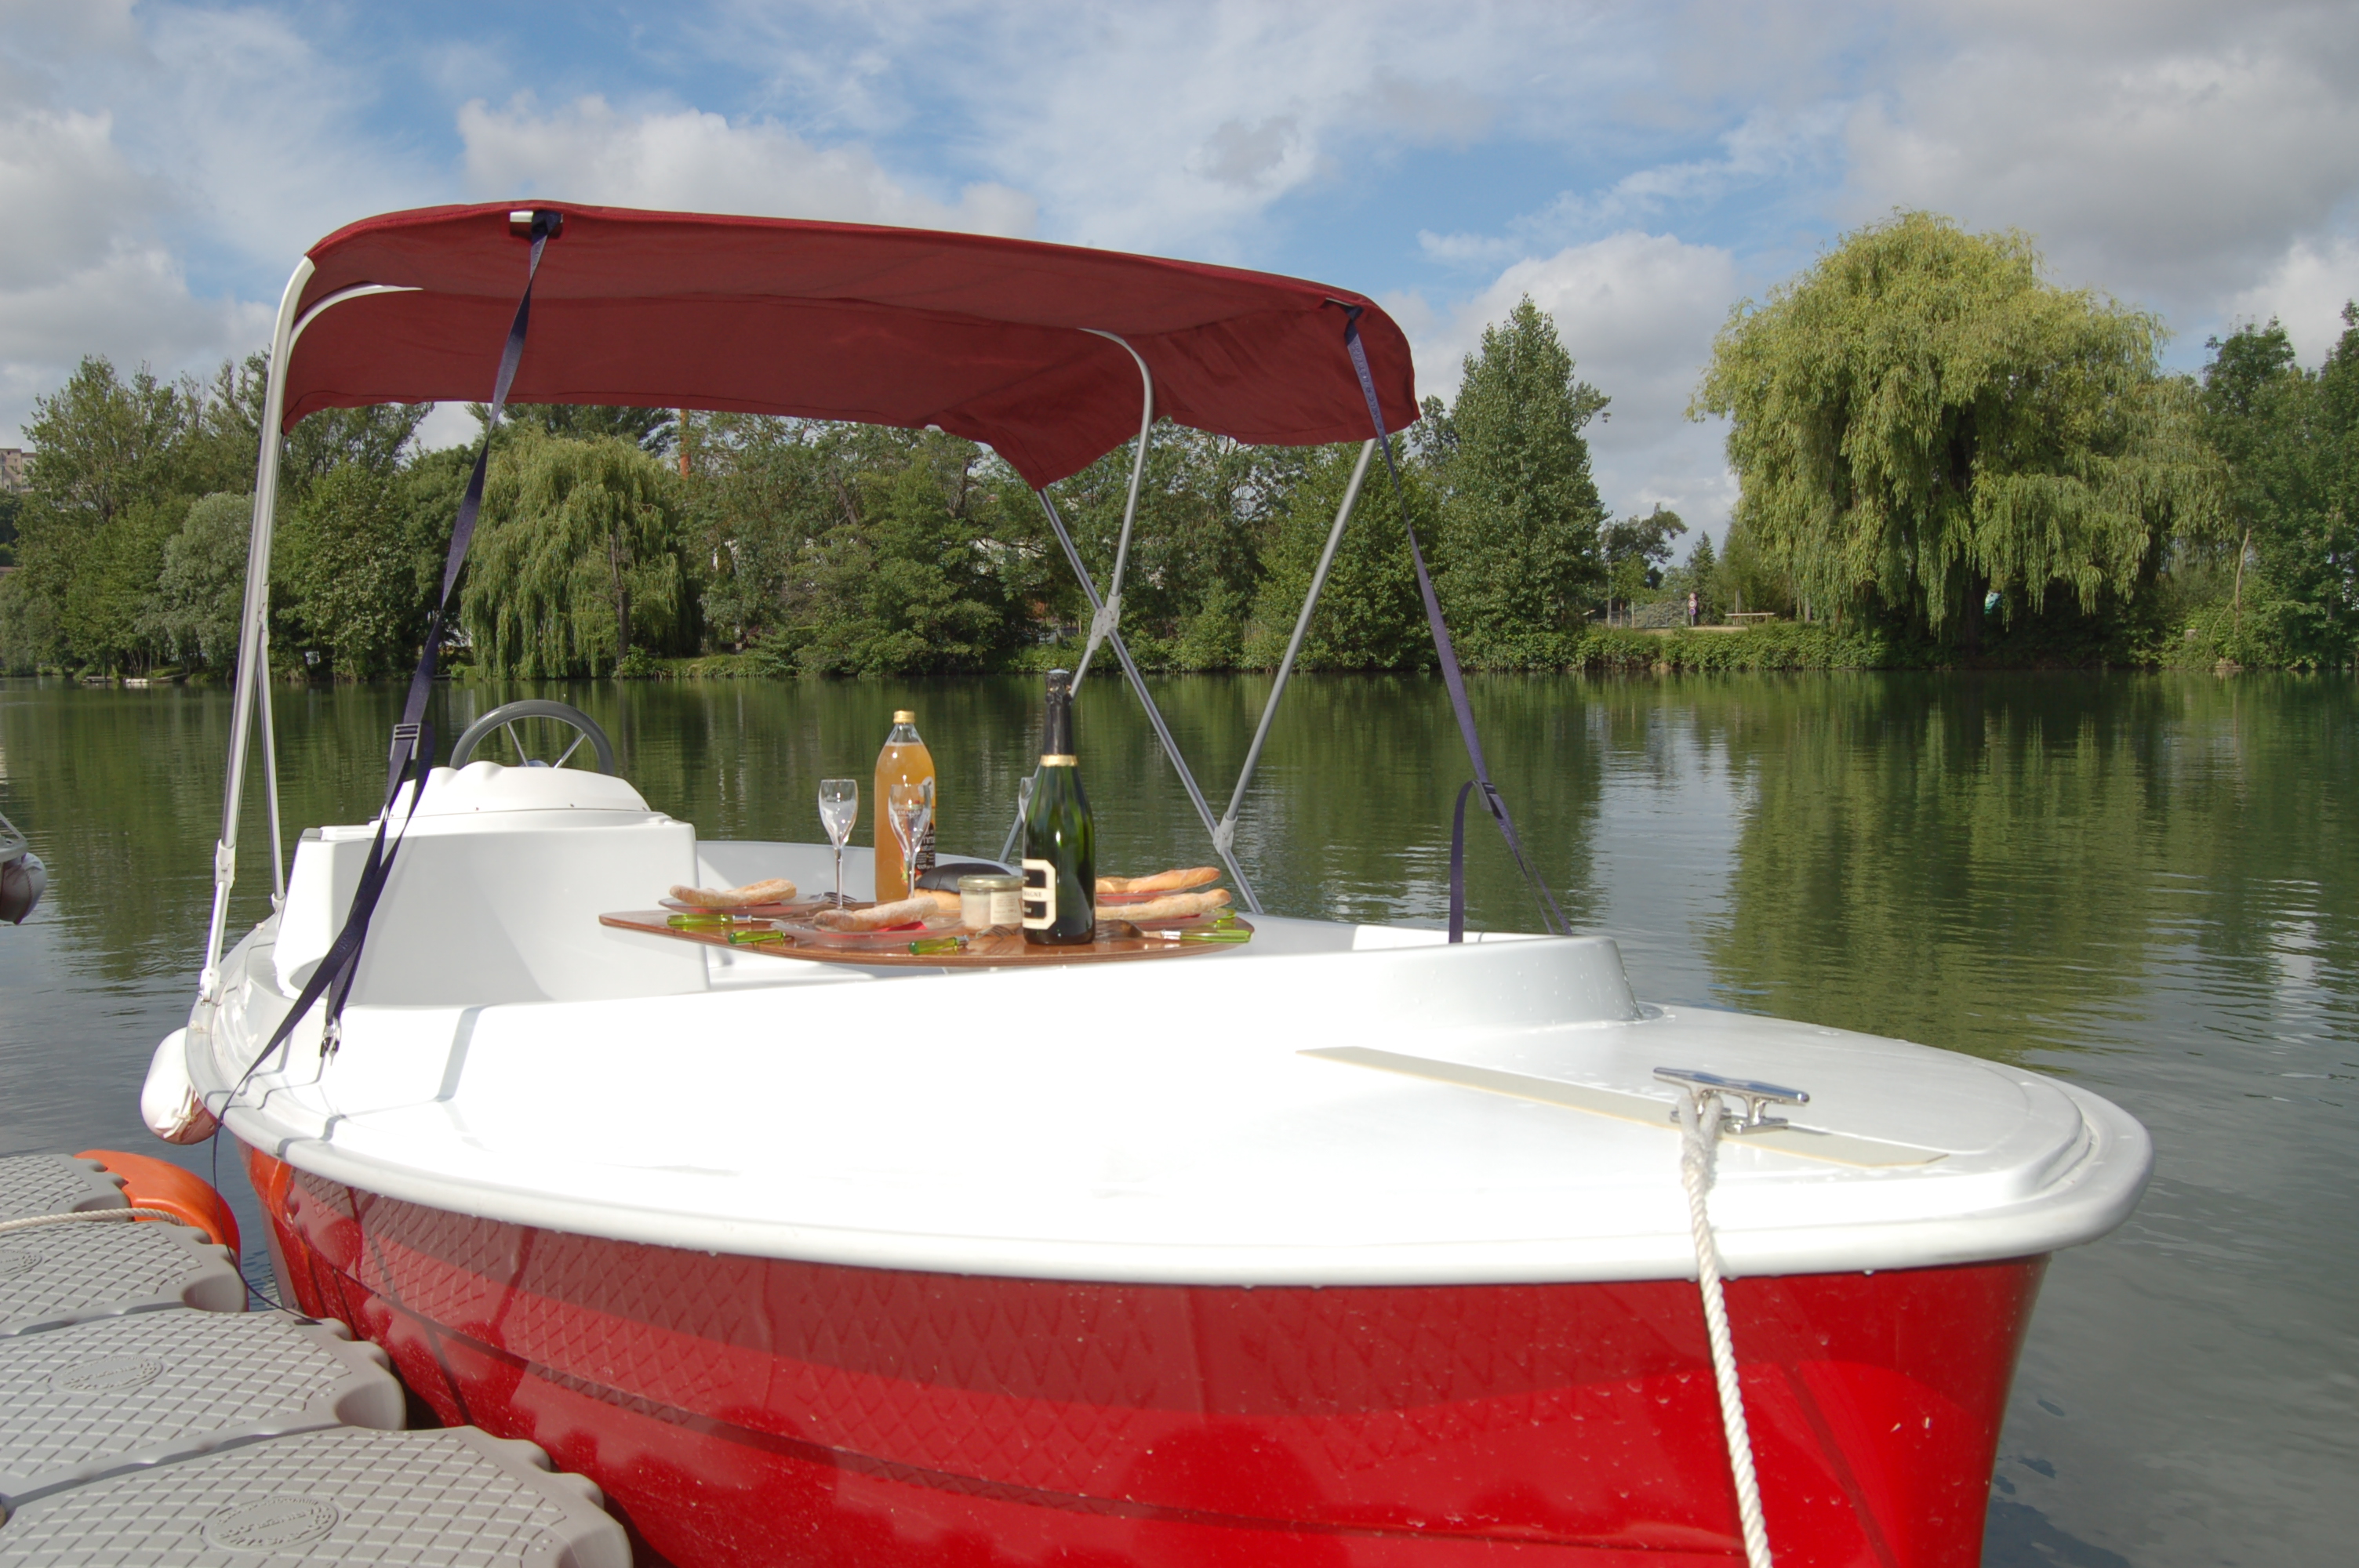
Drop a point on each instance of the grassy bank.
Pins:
(2257, 639)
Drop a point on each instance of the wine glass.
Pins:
(911, 808)
(839, 810)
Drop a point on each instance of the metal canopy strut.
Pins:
(1154, 714)
(1225, 834)
(1106, 618)
(1109, 615)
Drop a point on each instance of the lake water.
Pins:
(2149, 884)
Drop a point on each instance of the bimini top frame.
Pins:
(1034, 350)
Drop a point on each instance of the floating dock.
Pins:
(147, 1419)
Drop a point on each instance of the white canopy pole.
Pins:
(251, 623)
(251, 681)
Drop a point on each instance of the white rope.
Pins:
(1699, 1131)
(91, 1214)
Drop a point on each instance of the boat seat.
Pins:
(496, 892)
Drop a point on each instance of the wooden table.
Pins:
(981, 952)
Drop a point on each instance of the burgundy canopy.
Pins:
(980, 336)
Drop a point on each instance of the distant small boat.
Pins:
(23, 878)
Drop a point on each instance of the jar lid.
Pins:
(992, 881)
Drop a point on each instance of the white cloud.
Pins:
(693, 161)
(2169, 155)
(261, 136)
(450, 424)
(65, 187)
(2306, 291)
(81, 271)
(1178, 127)
(132, 305)
(1639, 312)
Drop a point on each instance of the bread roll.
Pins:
(877, 916)
(777, 890)
(1162, 882)
(1179, 906)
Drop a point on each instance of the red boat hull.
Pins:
(757, 1411)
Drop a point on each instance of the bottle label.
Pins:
(1039, 896)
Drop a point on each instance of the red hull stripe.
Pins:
(744, 1411)
(915, 1476)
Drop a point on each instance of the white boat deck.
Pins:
(507, 1056)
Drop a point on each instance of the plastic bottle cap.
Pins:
(903, 716)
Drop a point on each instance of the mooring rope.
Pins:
(1700, 1132)
(91, 1214)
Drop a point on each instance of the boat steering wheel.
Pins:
(537, 714)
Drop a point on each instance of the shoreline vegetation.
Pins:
(1944, 462)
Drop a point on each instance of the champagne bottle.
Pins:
(902, 759)
(1060, 867)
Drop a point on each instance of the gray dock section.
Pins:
(146, 1421)
(53, 1275)
(56, 1183)
(86, 1401)
(421, 1499)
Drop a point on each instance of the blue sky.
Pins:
(1636, 169)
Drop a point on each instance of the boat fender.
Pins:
(167, 1101)
(153, 1183)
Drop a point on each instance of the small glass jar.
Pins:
(990, 899)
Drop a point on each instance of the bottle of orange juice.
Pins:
(904, 760)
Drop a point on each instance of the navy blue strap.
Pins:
(411, 754)
(462, 532)
(1452, 677)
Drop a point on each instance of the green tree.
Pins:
(1921, 420)
(650, 429)
(1704, 576)
(2291, 441)
(901, 582)
(580, 559)
(760, 494)
(347, 564)
(1369, 617)
(1519, 547)
(101, 443)
(1636, 548)
(1206, 506)
(29, 630)
(192, 613)
(2333, 533)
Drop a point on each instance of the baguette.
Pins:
(1162, 882)
(1179, 906)
(777, 890)
(877, 916)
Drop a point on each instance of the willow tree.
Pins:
(1921, 420)
(581, 557)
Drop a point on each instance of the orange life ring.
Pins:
(150, 1182)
